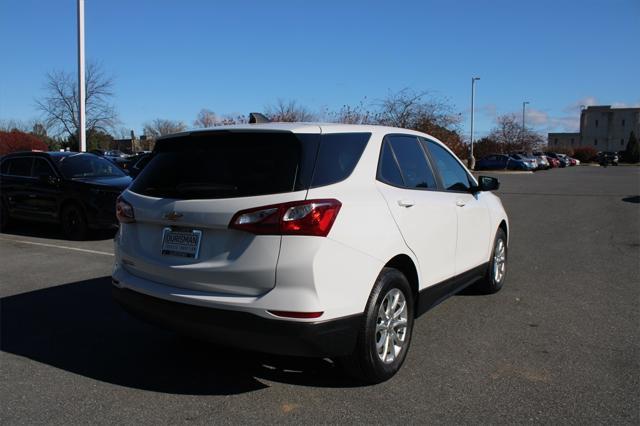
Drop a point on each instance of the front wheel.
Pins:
(74, 222)
(385, 333)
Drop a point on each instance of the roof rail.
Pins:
(256, 117)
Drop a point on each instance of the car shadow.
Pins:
(52, 231)
(78, 328)
(632, 199)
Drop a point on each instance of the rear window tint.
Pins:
(226, 164)
(223, 164)
(389, 171)
(337, 157)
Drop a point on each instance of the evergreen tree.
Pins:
(632, 153)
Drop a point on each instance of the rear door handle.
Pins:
(405, 203)
(460, 203)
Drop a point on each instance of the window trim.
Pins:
(395, 159)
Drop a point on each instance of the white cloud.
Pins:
(581, 103)
(625, 105)
(489, 110)
(536, 117)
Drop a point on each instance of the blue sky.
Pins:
(171, 58)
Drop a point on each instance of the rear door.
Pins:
(474, 233)
(188, 194)
(44, 190)
(16, 182)
(425, 216)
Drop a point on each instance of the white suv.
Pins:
(302, 239)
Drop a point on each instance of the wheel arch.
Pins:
(407, 266)
(503, 225)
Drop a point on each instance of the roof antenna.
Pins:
(256, 117)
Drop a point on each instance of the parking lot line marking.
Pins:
(104, 253)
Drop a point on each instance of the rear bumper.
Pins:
(244, 330)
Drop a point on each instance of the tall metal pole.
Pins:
(82, 134)
(522, 137)
(472, 160)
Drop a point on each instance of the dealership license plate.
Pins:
(182, 243)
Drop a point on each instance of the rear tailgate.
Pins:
(227, 261)
(186, 196)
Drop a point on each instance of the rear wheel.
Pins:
(74, 222)
(385, 333)
(497, 270)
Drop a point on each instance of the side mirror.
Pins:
(488, 183)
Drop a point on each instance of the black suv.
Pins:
(76, 190)
(607, 157)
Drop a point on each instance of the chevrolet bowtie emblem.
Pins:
(173, 215)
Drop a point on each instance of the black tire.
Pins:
(74, 222)
(365, 363)
(493, 281)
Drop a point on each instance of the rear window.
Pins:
(20, 166)
(223, 164)
(337, 157)
(78, 166)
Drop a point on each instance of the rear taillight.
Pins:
(309, 217)
(124, 211)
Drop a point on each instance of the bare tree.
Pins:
(507, 130)
(161, 127)
(288, 111)
(8, 125)
(510, 136)
(358, 114)
(206, 118)
(60, 104)
(410, 109)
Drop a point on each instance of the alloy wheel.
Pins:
(391, 326)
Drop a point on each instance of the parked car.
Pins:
(531, 161)
(76, 190)
(501, 162)
(553, 162)
(563, 161)
(119, 158)
(300, 239)
(139, 164)
(543, 161)
(606, 158)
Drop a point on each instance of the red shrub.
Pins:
(19, 141)
(585, 154)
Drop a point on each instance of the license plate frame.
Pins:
(177, 248)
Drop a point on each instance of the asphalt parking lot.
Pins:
(559, 344)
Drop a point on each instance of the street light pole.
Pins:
(82, 134)
(472, 160)
(522, 134)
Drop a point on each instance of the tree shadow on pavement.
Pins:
(77, 327)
